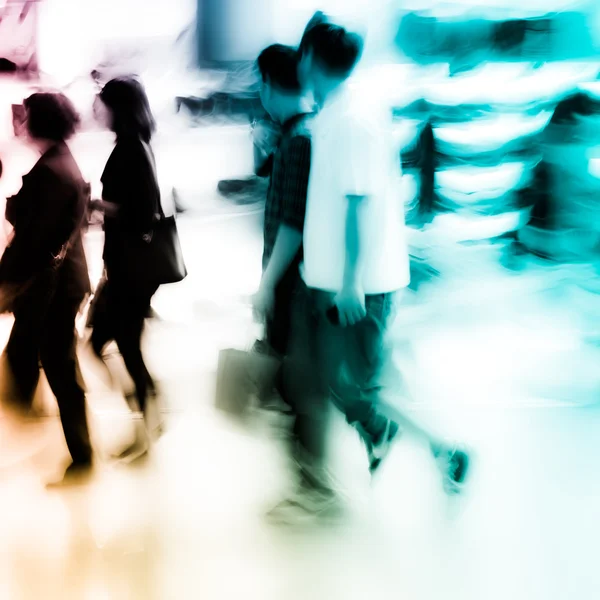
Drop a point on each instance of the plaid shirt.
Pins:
(286, 197)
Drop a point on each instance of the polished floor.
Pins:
(504, 361)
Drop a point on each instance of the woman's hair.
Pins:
(128, 103)
(51, 116)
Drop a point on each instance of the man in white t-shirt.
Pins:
(355, 263)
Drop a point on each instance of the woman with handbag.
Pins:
(138, 251)
(43, 272)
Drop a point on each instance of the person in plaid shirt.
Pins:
(284, 101)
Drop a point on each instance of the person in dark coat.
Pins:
(130, 201)
(45, 261)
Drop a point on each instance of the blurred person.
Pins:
(564, 224)
(266, 133)
(45, 261)
(130, 201)
(355, 264)
(284, 101)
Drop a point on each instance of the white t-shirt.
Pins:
(353, 154)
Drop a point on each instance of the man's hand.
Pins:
(263, 303)
(350, 303)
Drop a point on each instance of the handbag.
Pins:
(155, 257)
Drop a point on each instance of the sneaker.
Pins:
(140, 447)
(305, 508)
(378, 448)
(454, 465)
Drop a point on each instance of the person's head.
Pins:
(280, 90)
(328, 55)
(574, 121)
(125, 109)
(50, 118)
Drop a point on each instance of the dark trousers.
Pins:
(120, 317)
(279, 325)
(336, 366)
(44, 332)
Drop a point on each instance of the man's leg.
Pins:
(279, 325)
(360, 392)
(308, 395)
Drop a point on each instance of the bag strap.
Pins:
(152, 161)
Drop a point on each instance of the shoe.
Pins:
(77, 473)
(378, 448)
(99, 365)
(153, 417)
(140, 448)
(136, 452)
(454, 464)
(306, 508)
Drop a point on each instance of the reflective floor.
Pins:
(504, 361)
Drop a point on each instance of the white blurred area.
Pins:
(93, 26)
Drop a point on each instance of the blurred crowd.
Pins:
(338, 253)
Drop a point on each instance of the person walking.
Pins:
(44, 270)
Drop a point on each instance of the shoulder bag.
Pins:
(155, 257)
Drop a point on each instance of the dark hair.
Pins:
(51, 116)
(336, 49)
(578, 104)
(317, 19)
(126, 99)
(278, 66)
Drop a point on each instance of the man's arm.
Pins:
(265, 136)
(295, 188)
(356, 161)
(352, 266)
(263, 162)
(287, 245)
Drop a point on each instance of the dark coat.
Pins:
(48, 212)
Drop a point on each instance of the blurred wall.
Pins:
(234, 30)
(73, 35)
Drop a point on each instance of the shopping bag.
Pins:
(243, 378)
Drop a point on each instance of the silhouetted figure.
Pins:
(355, 262)
(46, 257)
(131, 201)
(284, 99)
(563, 195)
